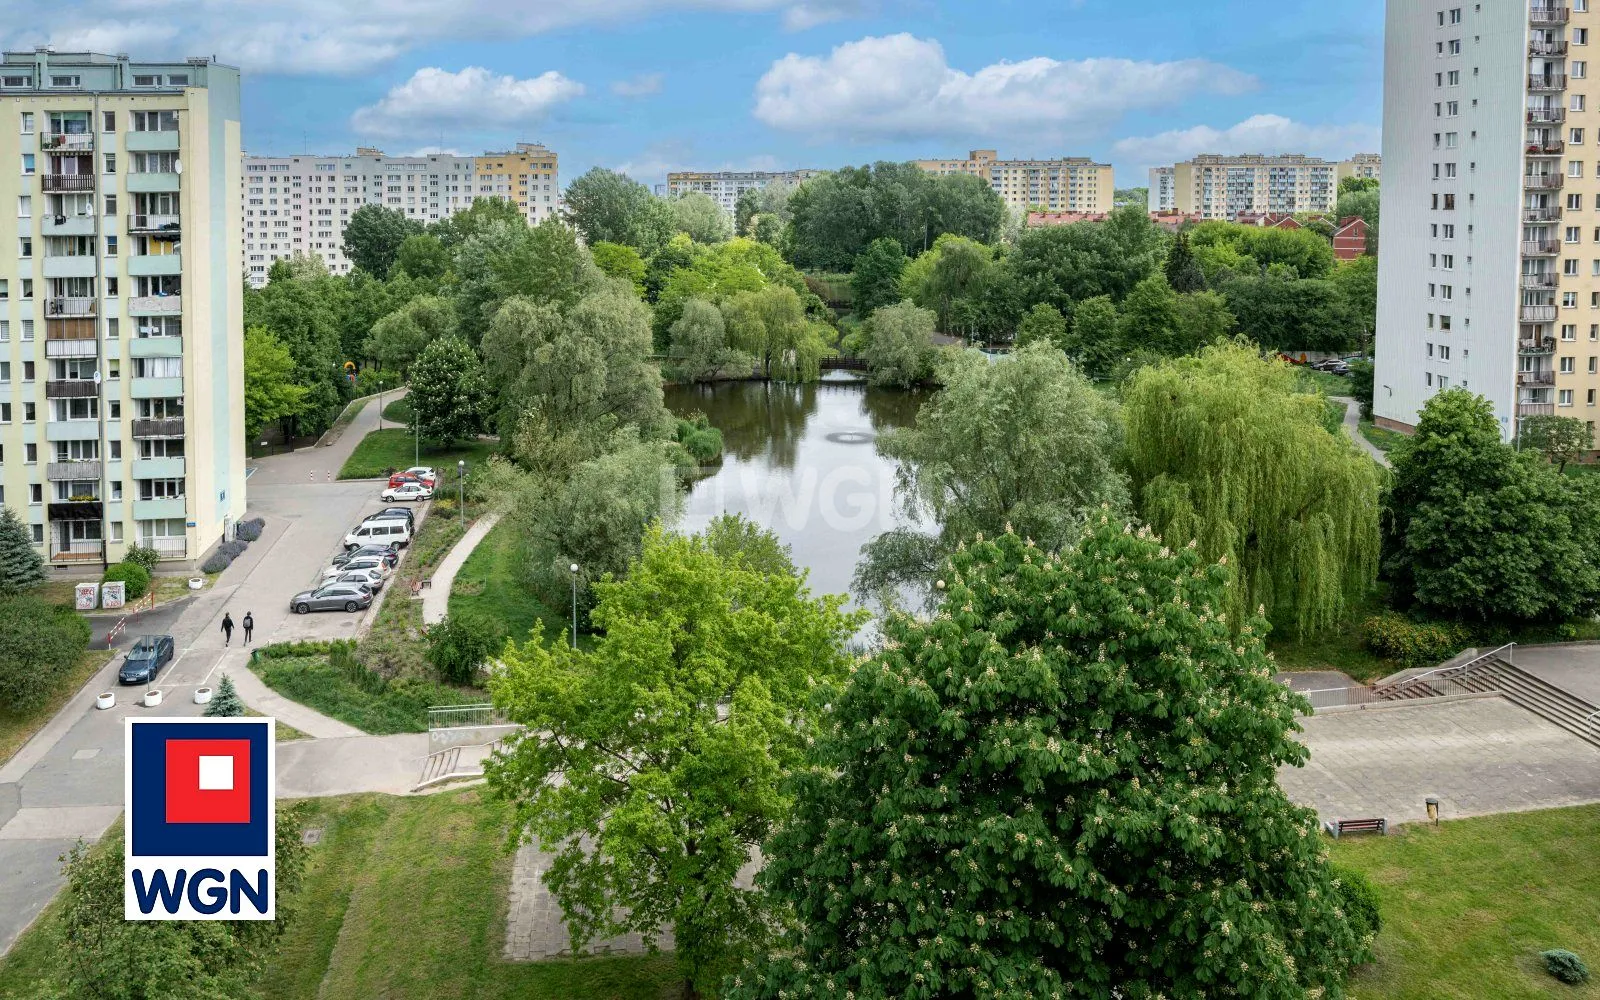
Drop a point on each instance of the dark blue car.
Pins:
(149, 654)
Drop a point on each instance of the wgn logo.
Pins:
(200, 820)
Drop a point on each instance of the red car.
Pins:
(401, 478)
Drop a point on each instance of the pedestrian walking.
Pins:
(249, 624)
(227, 628)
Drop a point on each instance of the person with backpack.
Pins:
(249, 624)
(227, 628)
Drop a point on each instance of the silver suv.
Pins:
(331, 597)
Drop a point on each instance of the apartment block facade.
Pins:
(1072, 184)
(301, 204)
(1223, 187)
(121, 313)
(1163, 189)
(1489, 277)
(725, 186)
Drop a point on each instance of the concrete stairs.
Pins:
(1547, 701)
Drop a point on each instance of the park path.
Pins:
(1352, 427)
(322, 465)
(436, 599)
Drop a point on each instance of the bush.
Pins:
(249, 531)
(444, 506)
(461, 644)
(216, 562)
(234, 549)
(1412, 643)
(39, 643)
(702, 441)
(134, 576)
(1360, 904)
(143, 555)
(1565, 966)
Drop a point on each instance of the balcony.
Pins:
(1536, 345)
(1538, 314)
(158, 427)
(70, 307)
(1535, 409)
(72, 348)
(164, 225)
(1546, 147)
(145, 183)
(1542, 280)
(159, 468)
(156, 388)
(72, 388)
(76, 510)
(72, 430)
(1540, 248)
(73, 266)
(151, 142)
(72, 471)
(1536, 378)
(1542, 182)
(1543, 17)
(151, 265)
(67, 183)
(1539, 47)
(1547, 84)
(157, 510)
(79, 552)
(1537, 215)
(67, 225)
(156, 347)
(170, 548)
(1547, 116)
(67, 142)
(155, 305)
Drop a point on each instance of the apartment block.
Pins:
(1489, 277)
(725, 186)
(1073, 184)
(1223, 187)
(300, 204)
(1368, 165)
(121, 313)
(1163, 189)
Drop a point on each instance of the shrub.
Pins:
(39, 643)
(233, 549)
(216, 562)
(143, 555)
(444, 506)
(1360, 904)
(702, 441)
(1565, 966)
(249, 531)
(288, 650)
(225, 702)
(134, 576)
(461, 644)
(1412, 643)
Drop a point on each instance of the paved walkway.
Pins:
(1352, 427)
(436, 599)
(1477, 756)
(269, 702)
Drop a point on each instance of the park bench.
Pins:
(418, 586)
(1338, 827)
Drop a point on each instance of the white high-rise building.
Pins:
(300, 204)
(1163, 190)
(1489, 274)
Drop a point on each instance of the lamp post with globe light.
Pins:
(574, 568)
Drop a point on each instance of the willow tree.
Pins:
(1224, 451)
(771, 325)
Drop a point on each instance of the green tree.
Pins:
(1475, 531)
(1148, 318)
(1281, 313)
(1064, 265)
(1043, 324)
(1183, 272)
(699, 217)
(652, 766)
(1560, 439)
(399, 338)
(700, 350)
(225, 701)
(134, 578)
(479, 217)
(422, 255)
(1139, 197)
(1349, 185)
(1026, 442)
(608, 207)
(1042, 790)
(949, 280)
(304, 316)
(39, 644)
(1306, 254)
(1094, 343)
(374, 235)
(835, 217)
(1357, 282)
(448, 397)
(460, 645)
(1225, 452)
(618, 261)
(21, 566)
(875, 282)
(544, 263)
(770, 325)
(899, 350)
(1361, 378)
(1364, 204)
(104, 957)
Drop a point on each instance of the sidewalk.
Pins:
(1352, 427)
(436, 599)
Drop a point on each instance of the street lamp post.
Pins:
(574, 568)
(461, 490)
(416, 452)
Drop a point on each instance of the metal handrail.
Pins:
(464, 716)
(1459, 669)
(450, 773)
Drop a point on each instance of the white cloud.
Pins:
(340, 37)
(473, 97)
(642, 85)
(901, 87)
(1257, 134)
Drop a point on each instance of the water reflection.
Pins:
(803, 462)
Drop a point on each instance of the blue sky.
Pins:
(654, 85)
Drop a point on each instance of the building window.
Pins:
(1566, 366)
(108, 121)
(1564, 397)
(1569, 331)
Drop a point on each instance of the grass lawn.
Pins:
(398, 411)
(490, 584)
(17, 726)
(394, 449)
(404, 898)
(1332, 385)
(1468, 906)
(1381, 437)
(401, 707)
(1337, 649)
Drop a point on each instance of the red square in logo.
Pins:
(208, 781)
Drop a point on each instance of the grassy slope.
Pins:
(401, 708)
(489, 583)
(17, 726)
(1381, 437)
(1468, 906)
(395, 448)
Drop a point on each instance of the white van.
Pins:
(392, 531)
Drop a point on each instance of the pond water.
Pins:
(802, 461)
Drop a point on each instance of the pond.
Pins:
(802, 461)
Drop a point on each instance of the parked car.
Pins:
(389, 531)
(144, 661)
(407, 491)
(331, 597)
(427, 473)
(386, 553)
(359, 565)
(370, 577)
(396, 512)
